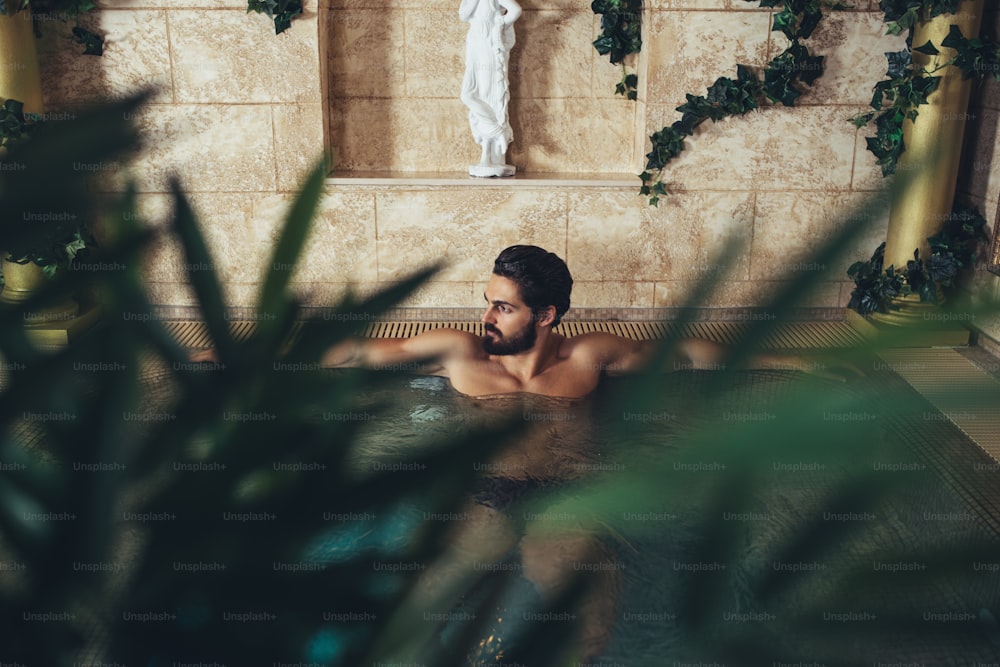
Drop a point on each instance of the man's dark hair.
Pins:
(541, 276)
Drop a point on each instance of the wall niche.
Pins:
(392, 71)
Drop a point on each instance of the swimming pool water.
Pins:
(735, 539)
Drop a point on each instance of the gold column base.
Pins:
(58, 333)
(913, 324)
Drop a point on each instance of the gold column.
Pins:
(19, 74)
(923, 191)
(20, 79)
(927, 172)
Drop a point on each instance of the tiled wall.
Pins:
(240, 114)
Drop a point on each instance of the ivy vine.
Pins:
(15, 125)
(621, 27)
(781, 83)
(902, 15)
(895, 100)
(953, 251)
(907, 87)
(280, 11)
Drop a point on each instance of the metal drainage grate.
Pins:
(792, 335)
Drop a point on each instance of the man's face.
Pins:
(509, 323)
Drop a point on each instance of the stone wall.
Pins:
(240, 114)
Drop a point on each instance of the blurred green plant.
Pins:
(185, 495)
(52, 228)
(96, 467)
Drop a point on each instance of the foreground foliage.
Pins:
(146, 529)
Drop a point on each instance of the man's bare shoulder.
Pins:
(598, 342)
(615, 354)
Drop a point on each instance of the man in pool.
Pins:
(526, 297)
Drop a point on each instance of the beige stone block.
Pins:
(161, 260)
(227, 56)
(170, 294)
(213, 4)
(872, 211)
(322, 295)
(867, 173)
(854, 44)
(573, 135)
(807, 148)
(606, 76)
(223, 221)
(109, 5)
(438, 5)
(747, 294)
(443, 294)
(434, 52)
(689, 50)
(609, 294)
(553, 56)
(227, 223)
(298, 142)
(464, 229)
(342, 245)
(403, 135)
(790, 229)
(213, 148)
(668, 5)
(241, 294)
(363, 52)
(616, 236)
(135, 57)
(681, 293)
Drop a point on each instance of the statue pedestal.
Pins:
(491, 170)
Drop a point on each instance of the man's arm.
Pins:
(620, 356)
(429, 352)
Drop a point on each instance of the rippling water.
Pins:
(797, 573)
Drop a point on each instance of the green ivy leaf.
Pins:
(93, 43)
(928, 48)
(862, 120)
(785, 22)
(899, 63)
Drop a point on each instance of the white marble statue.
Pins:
(486, 88)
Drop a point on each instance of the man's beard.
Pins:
(519, 342)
